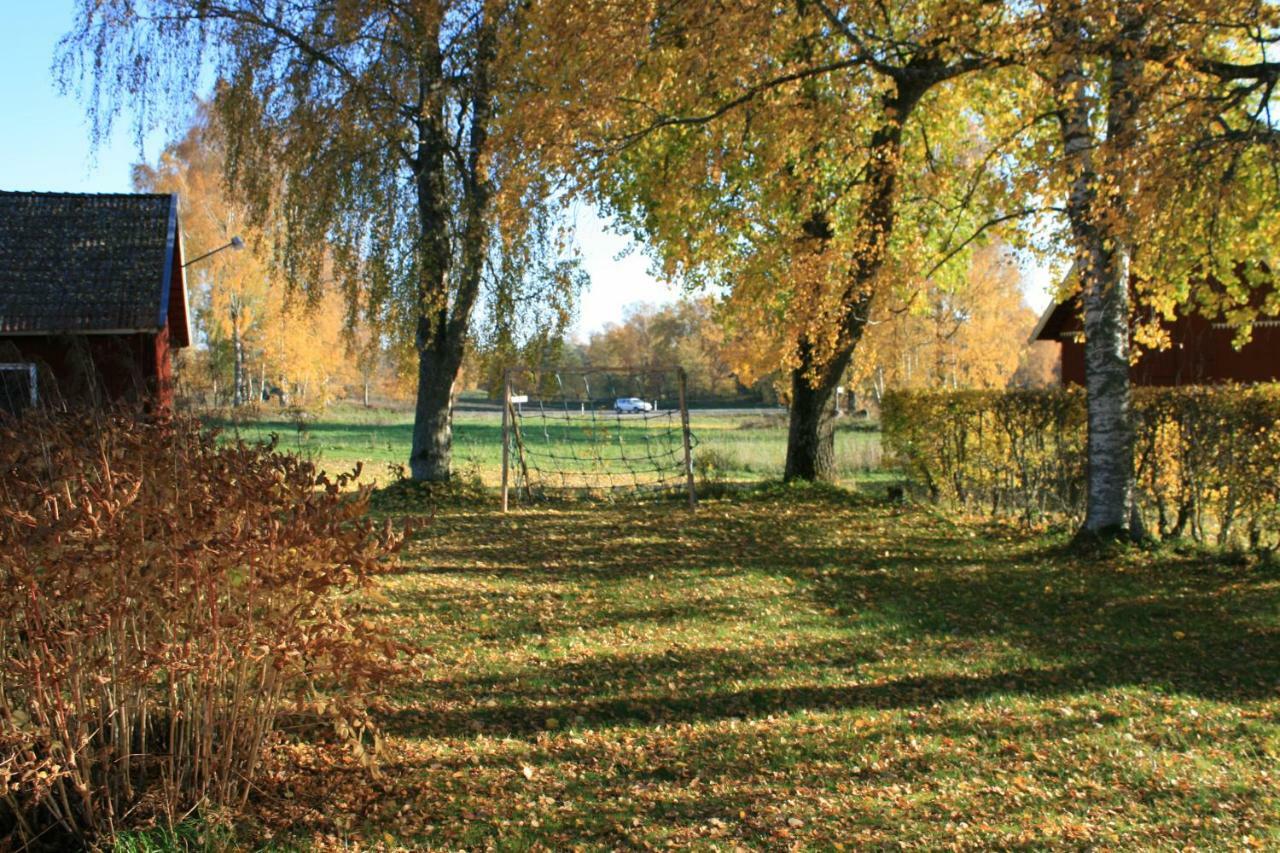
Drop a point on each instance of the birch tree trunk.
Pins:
(237, 358)
(430, 454)
(1094, 208)
(1109, 397)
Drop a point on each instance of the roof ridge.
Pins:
(64, 194)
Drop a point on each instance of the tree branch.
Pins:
(748, 95)
(986, 226)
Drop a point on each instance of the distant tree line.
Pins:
(974, 336)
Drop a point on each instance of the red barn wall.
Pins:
(162, 387)
(1200, 354)
(97, 368)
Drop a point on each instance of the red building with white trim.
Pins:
(92, 294)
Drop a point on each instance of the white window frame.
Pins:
(30, 369)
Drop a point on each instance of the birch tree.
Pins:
(1165, 158)
(363, 128)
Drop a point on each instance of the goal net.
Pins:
(596, 431)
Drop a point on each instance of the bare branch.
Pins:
(986, 226)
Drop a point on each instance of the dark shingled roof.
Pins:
(85, 263)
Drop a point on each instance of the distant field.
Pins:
(739, 445)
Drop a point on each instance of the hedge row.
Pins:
(1207, 458)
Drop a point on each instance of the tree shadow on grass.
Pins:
(534, 619)
(631, 788)
(921, 655)
(1188, 625)
(1194, 625)
(586, 541)
(620, 693)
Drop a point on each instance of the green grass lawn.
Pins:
(799, 668)
(737, 447)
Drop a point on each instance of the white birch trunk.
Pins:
(1094, 208)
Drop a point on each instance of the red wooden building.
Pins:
(92, 298)
(1201, 351)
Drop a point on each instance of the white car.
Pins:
(624, 405)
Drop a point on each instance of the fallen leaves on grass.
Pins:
(803, 668)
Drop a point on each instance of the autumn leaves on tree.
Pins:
(362, 132)
(779, 150)
(266, 337)
(818, 156)
(829, 165)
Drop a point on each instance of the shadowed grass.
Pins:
(799, 667)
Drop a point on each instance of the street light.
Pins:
(236, 243)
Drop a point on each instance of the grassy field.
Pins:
(740, 446)
(788, 668)
(800, 668)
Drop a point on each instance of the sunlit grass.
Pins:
(802, 668)
(743, 447)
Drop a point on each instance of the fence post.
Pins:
(506, 433)
(685, 433)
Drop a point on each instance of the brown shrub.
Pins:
(163, 599)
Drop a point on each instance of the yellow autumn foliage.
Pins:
(1207, 461)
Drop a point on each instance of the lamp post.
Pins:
(236, 243)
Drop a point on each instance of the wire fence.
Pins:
(567, 436)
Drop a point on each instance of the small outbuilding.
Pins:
(1201, 350)
(92, 298)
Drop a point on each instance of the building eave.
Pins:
(166, 278)
(1045, 316)
(47, 333)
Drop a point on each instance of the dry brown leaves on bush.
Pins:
(163, 600)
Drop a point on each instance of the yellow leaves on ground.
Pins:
(799, 665)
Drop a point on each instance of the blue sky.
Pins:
(44, 145)
(45, 141)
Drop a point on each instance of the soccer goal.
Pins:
(599, 431)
